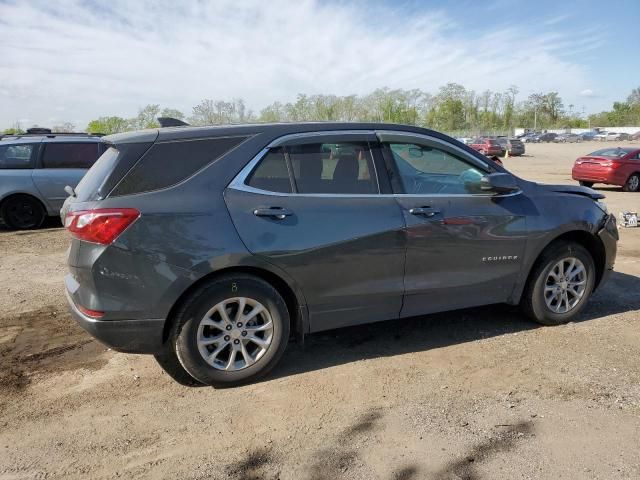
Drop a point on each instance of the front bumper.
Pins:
(609, 236)
(129, 336)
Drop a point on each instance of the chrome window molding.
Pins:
(239, 182)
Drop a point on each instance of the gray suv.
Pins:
(209, 246)
(36, 168)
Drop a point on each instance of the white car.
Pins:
(607, 136)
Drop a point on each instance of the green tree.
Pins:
(109, 125)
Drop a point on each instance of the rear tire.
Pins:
(544, 297)
(231, 331)
(22, 212)
(586, 184)
(632, 184)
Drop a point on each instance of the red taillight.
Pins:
(102, 225)
(91, 313)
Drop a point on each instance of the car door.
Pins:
(312, 205)
(464, 246)
(62, 163)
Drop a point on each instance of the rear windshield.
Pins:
(611, 152)
(112, 165)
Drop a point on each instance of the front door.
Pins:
(464, 247)
(314, 208)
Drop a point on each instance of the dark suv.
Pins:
(209, 246)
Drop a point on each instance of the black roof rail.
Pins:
(171, 122)
(49, 134)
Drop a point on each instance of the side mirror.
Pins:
(499, 183)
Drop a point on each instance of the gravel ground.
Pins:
(472, 394)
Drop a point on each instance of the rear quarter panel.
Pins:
(17, 181)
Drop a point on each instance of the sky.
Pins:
(76, 60)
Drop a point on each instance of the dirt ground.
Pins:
(473, 394)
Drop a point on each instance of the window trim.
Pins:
(239, 182)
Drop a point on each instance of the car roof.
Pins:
(269, 129)
(50, 138)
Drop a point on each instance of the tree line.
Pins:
(453, 109)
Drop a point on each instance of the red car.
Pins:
(487, 146)
(614, 166)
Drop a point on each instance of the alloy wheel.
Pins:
(235, 334)
(565, 285)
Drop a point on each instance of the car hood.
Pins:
(573, 189)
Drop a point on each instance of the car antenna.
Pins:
(171, 122)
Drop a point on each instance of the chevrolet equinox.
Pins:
(209, 246)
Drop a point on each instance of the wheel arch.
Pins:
(591, 242)
(295, 305)
(11, 195)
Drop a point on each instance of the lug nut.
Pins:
(229, 327)
(236, 341)
(244, 334)
(227, 338)
(239, 325)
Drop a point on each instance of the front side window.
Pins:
(16, 156)
(430, 170)
(70, 155)
(325, 168)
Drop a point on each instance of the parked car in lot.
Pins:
(613, 166)
(512, 145)
(487, 146)
(539, 138)
(607, 136)
(588, 136)
(34, 170)
(262, 231)
(568, 138)
(634, 136)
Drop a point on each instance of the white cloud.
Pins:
(587, 92)
(111, 58)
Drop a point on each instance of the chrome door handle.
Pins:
(278, 213)
(424, 211)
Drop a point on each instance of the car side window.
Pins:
(272, 174)
(70, 155)
(431, 170)
(326, 168)
(16, 156)
(339, 168)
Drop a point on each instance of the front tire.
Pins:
(22, 212)
(586, 184)
(632, 184)
(233, 330)
(560, 284)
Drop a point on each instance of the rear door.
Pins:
(464, 247)
(312, 205)
(63, 163)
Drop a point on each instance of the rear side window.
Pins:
(272, 174)
(168, 163)
(16, 156)
(70, 155)
(345, 168)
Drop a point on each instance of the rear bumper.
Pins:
(595, 175)
(129, 336)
